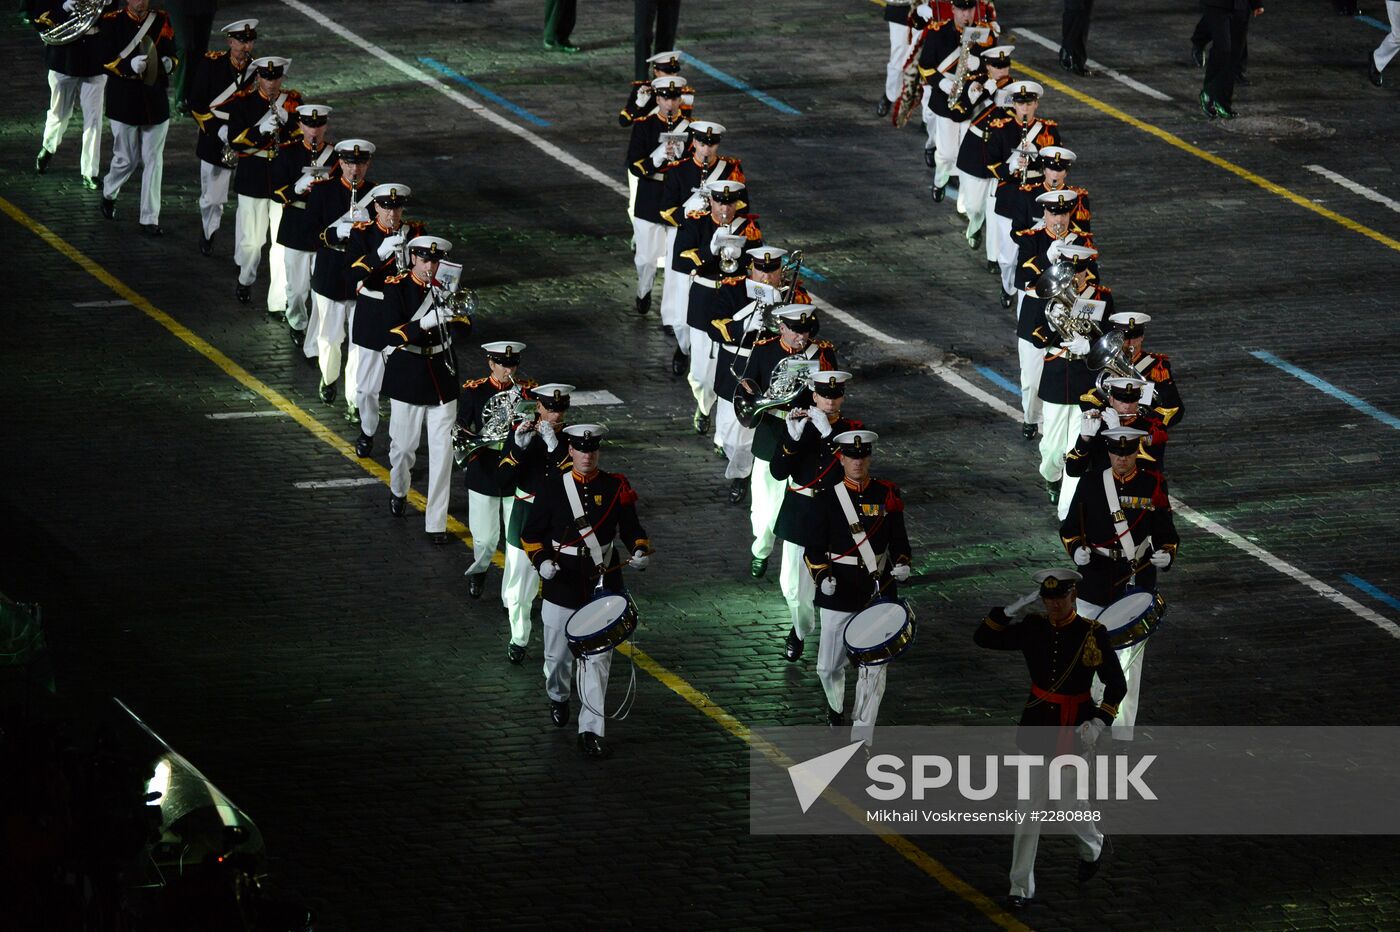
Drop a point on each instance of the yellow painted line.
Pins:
(678, 685)
(1172, 139)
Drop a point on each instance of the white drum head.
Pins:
(876, 625)
(595, 616)
(1126, 610)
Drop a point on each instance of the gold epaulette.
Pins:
(999, 122)
(526, 383)
(696, 214)
(396, 278)
(1091, 397)
(362, 224)
(475, 383)
(732, 279)
(215, 56)
(825, 344)
(765, 341)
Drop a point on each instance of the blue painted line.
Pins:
(735, 83)
(1371, 21)
(1365, 407)
(492, 96)
(808, 272)
(992, 375)
(1375, 592)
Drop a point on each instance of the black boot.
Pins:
(792, 647)
(882, 106)
(41, 161)
(644, 304)
(738, 491)
(680, 362)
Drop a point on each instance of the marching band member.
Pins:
(304, 159)
(1117, 404)
(1119, 531)
(259, 117)
(332, 206)
(705, 244)
(1012, 140)
(1054, 162)
(1155, 367)
(647, 154)
(489, 501)
(219, 77)
(420, 378)
(947, 65)
(797, 337)
(976, 184)
(683, 197)
(571, 538)
(376, 244)
(137, 105)
(641, 100)
(76, 77)
(533, 454)
(1064, 651)
(904, 27)
(807, 462)
(858, 549)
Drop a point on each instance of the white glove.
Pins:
(1161, 559)
(1081, 556)
(1111, 420)
(431, 318)
(1057, 249)
(68, 5)
(829, 586)
(548, 569)
(268, 123)
(1015, 162)
(303, 184)
(658, 155)
(901, 572)
(1089, 425)
(167, 63)
(386, 248)
(643, 95)
(823, 424)
(551, 439)
(523, 433)
(342, 230)
(796, 423)
(640, 559)
(1089, 733)
(138, 64)
(714, 240)
(1079, 346)
(924, 12)
(223, 134)
(946, 85)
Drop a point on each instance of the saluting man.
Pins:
(305, 158)
(572, 538)
(218, 78)
(859, 550)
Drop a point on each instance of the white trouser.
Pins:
(631, 194)
(899, 53)
(405, 427)
(947, 139)
(213, 195)
(257, 222)
(675, 289)
(832, 661)
(130, 145)
(798, 589)
(1032, 365)
(1130, 659)
(297, 265)
(735, 438)
(1089, 839)
(650, 241)
(559, 670)
(486, 515)
(1059, 428)
(929, 118)
(1391, 43)
(329, 317)
(765, 498)
(703, 358)
(519, 584)
(974, 199)
(1006, 246)
(65, 92)
(368, 368)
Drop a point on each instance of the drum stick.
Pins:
(1021, 604)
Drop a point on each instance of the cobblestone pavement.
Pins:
(324, 665)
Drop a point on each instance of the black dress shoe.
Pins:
(719, 452)
(397, 504)
(1087, 869)
(1243, 79)
(515, 653)
(364, 444)
(244, 293)
(792, 647)
(558, 712)
(644, 304)
(476, 585)
(298, 337)
(928, 156)
(738, 491)
(327, 392)
(668, 330)
(939, 190)
(680, 362)
(206, 245)
(108, 208)
(1052, 490)
(41, 161)
(882, 106)
(834, 718)
(1027, 431)
(1084, 71)
(1065, 60)
(438, 538)
(700, 421)
(90, 182)
(150, 229)
(1373, 74)
(1019, 902)
(758, 566)
(1007, 299)
(993, 267)
(351, 413)
(592, 745)
(1198, 55)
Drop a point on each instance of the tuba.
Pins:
(788, 379)
(84, 17)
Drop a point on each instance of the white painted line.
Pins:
(947, 374)
(338, 483)
(1351, 186)
(600, 397)
(1118, 76)
(113, 303)
(235, 415)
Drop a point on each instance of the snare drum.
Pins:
(1133, 618)
(602, 624)
(880, 632)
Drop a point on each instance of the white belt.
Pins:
(522, 496)
(260, 154)
(975, 131)
(424, 350)
(703, 282)
(801, 490)
(573, 551)
(656, 176)
(1115, 552)
(736, 350)
(853, 560)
